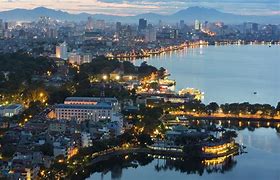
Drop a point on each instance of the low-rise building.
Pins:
(86, 139)
(81, 112)
(11, 110)
(57, 126)
(93, 101)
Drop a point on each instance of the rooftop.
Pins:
(89, 99)
(102, 105)
(14, 106)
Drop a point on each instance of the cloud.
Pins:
(132, 7)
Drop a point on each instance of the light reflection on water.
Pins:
(262, 162)
(226, 73)
(265, 139)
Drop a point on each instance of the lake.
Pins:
(262, 162)
(226, 74)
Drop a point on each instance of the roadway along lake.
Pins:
(226, 73)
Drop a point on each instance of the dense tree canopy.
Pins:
(17, 69)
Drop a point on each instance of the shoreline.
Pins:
(208, 100)
(131, 56)
(148, 151)
(227, 117)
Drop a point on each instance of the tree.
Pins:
(125, 138)
(192, 150)
(8, 150)
(212, 107)
(144, 139)
(228, 135)
(146, 69)
(278, 107)
(129, 68)
(47, 149)
(58, 95)
(161, 72)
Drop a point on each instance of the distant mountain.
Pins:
(188, 15)
(208, 14)
(34, 14)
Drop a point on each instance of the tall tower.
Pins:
(61, 51)
(142, 24)
(90, 23)
(1, 29)
(197, 25)
(150, 34)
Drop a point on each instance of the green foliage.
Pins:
(46, 149)
(212, 107)
(228, 135)
(125, 138)
(19, 69)
(193, 150)
(144, 139)
(151, 118)
(146, 69)
(100, 66)
(195, 105)
(8, 150)
(58, 95)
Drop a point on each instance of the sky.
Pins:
(134, 7)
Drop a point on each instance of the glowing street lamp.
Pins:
(105, 77)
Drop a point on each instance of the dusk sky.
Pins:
(132, 7)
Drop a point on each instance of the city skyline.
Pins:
(134, 7)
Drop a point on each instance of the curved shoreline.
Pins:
(150, 55)
(120, 152)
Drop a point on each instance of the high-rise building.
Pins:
(118, 26)
(1, 28)
(52, 33)
(87, 58)
(90, 23)
(175, 34)
(61, 51)
(100, 24)
(160, 24)
(142, 24)
(150, 34)
(250, 27)
(74, 58)
(6, 25)
(182, 24)
(1, 24)
(197, 25)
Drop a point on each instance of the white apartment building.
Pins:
(83, 112)
(93, 101)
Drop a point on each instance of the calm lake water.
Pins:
(226, 73)
(262, 162)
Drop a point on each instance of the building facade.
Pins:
(81, 112)
(93, 101)
(61, 51)
(11, 110)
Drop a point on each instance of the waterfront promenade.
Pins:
(107, 154)
(221, 116)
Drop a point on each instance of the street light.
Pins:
(105, 77)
